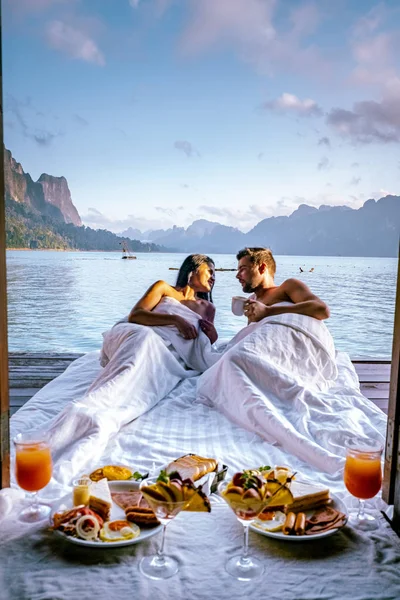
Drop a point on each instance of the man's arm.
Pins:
(304, 302)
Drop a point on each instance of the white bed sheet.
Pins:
(178, 424)
(350, 566)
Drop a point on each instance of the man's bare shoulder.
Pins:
(292, 283)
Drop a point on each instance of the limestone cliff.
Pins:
(56, 192)
(49, 196)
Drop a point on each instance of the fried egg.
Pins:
(119, 531)
(274, 524)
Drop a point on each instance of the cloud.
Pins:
(40, 135)
(375, 47)
(81, 121)
(98, 220)
(369, 121)
(134, 3)
(186, 147)
(355, 180)
(166, 211)
(73, 41)
(324, 141)
(323, 164)
(289, 103)
(368, 23)
(241, 219)
(382, 193)
(255, 31)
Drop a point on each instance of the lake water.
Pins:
(63, 301)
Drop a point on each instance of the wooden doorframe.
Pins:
(391, 485)
(4, 397)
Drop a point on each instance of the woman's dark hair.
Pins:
(190, 264)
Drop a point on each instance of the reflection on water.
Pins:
(63, 301)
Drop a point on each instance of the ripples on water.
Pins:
(63, 301)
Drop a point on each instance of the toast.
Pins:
(192, 466)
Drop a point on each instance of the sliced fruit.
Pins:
(198, 502)
(176, 488)
(279, 495)
(153, 492)
(167, 490)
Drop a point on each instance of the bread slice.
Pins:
(100, 498)
(307, 495)
(192, 466)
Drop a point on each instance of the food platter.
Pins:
(116, 513)
(336, 503)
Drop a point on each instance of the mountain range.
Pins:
(41, 214)
(372, 230)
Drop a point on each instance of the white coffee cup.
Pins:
(238, 303)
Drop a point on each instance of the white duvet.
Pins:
(252, 408)
(278, 378)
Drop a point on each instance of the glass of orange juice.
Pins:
(363, 478)
(33, 469)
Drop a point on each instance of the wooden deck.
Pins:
(28, 372)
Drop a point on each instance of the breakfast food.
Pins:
(100, 498)
(111, 473)
(288, 526)
(324, 519)
(136, 508)
(300, 525)
(141, 515)
(192, 466)
(249, 491)
(118, 531)
(274, 522)
(307, 496)
(125, 499)
(307, 513)
(173, 489)
(79, 522)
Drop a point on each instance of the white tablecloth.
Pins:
(35, 564)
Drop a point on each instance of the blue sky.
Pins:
(159, 112)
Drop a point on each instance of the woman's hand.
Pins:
(209, 329)
(186, 329)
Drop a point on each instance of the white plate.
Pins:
(278, 535)
(116, 513)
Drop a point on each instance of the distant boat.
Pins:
(126, 253)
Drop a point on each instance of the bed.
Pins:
(35, 565)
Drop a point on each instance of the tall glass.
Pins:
(244, 567)
(161, 566)
(33, 469)
(363, 478)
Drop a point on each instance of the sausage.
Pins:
(289, 524)
(300, 525)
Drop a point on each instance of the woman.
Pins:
(193, 289)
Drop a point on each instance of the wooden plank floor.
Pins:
(29, 371)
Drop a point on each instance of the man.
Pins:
(256, 271)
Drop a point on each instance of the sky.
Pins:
(160, 112)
